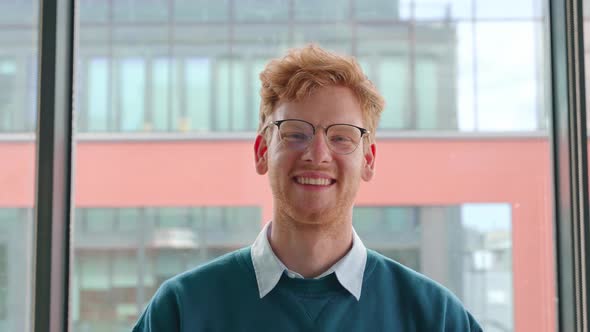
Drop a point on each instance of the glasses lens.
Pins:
(296, 134)
(343, 138)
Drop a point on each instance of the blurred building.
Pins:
(166, 108)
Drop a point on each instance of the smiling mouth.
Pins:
(314, 181)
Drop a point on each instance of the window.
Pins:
(262, 10)
(198, 96)
(3, 283)
(373, 10)
(99, 220)
(223, 91)
(320, 10)
(132, 94)
(99, 101)
(122, 255)
(466, 248)
(164, 104)
(201, 10)
(8, 106)
(140, 10)
(465, 123)
(463, 169)
(393, 83)
(427, 98)
(19, 52)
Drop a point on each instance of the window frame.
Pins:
(53, 169)
(570, 167)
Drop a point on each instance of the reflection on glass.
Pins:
(178, 81)
(18, 116)
(122, 255)
(98, 94)
(16, 252)
(466, 248)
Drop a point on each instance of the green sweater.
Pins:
(223, 296)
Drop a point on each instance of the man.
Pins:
(308, 270)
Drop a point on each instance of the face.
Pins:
(315, 185)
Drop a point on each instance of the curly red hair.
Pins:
(303, 70)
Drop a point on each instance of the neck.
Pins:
(310, 249)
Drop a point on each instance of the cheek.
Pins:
(280, 164)
(352, 168)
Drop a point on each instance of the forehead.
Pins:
(327, 105)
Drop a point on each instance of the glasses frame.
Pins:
(363, 131)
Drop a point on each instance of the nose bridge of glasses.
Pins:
(318, 143)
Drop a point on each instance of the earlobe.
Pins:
(260, 150)
(369, 164)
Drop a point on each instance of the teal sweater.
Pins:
(223, 296)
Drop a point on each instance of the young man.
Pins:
(308, 270)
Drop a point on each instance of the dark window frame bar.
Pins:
(570, 165)
(53, 169)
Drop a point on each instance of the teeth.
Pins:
(313, 181)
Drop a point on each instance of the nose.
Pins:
(318, 151)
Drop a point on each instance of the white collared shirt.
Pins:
(269, 268)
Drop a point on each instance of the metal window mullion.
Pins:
(53, 169)
(569, 149)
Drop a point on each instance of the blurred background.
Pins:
(166, 107)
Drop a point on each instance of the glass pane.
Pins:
(392, 81)
(18, 116)
(198, 81)
(467, 248)
(463, 182)
(132, 94)
(98, 95)
(161, 94)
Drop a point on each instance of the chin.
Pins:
(313, 216)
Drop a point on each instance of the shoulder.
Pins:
(224, 266)
(428, 299)
(386, 269)
(192, 290)
(225, 274)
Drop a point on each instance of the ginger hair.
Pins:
(303, 70)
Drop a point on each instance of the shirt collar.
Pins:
(269, 268)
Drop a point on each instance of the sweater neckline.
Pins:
(321, 286)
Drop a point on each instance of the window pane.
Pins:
(18, 142)
(321, 10)
(463, 186)
(223, 90)
(198, 82)
(118, 268)
(161, 94)
(392, 81)
(466, 248)
(262, 10)
(132, 94)
(201, 10)
(8, 96)
(257, 67)
(16, 268)
(98, 95)
(376, 10)
(426, 87)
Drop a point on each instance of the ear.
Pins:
(369, 162)
(260, 149)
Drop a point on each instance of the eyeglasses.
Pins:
(341, 138)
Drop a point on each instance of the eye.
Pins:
(295, 136)
(340, 139)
